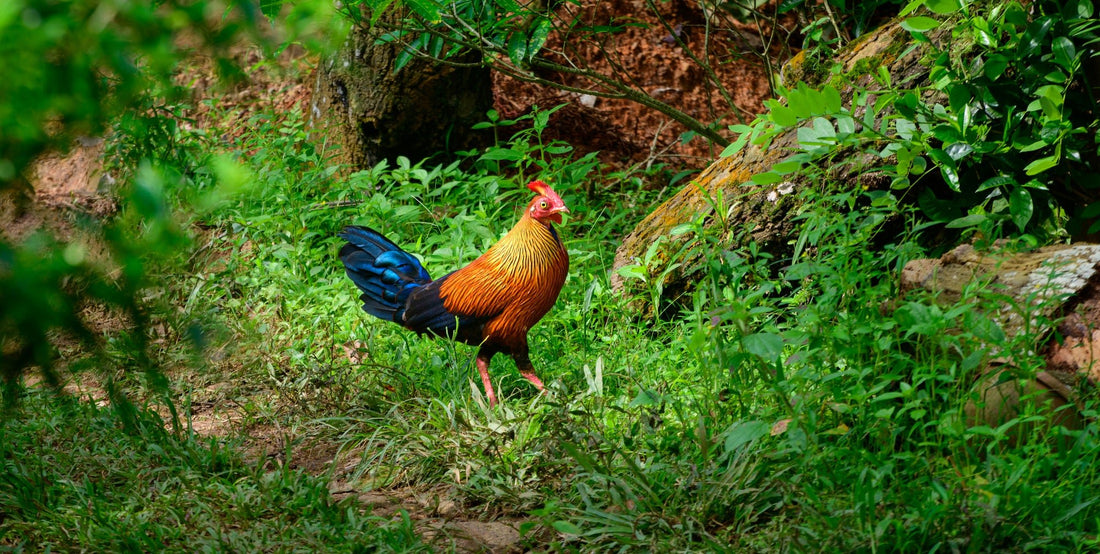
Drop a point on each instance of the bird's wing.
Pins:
(462, 301)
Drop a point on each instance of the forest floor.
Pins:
(68, 187)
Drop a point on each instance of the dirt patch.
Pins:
(64, 185)
(659, 52)
(270, 88)
(438, 518)
(73, 179)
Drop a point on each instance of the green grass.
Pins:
(75, 478)
(656, 434)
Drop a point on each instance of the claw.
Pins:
(530, 376)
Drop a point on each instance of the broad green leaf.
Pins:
(8, 11)
(403, 58)
(911, 7)
(517, 48)
(1020, 206)
(1042, 164)
(1092, 211)
(919, 165)
(539, 32)
(833, 103)
(845, 124)
(919, 24)
(905, 128)
(958, 150)
(766, 178)
(1035, 36)
(736, 145)
(994, 182)
(744, 432)
(782, 115)
(943, 7)
(821, 133)
(270, 8)
(566, 527)
(1054, 93)
(946, 134)
(967, 221)
(982, 33)
(788, 166)
(1084, 9)
(768, 346)
(995, 66)
(1065, 53)
(427, 9)
(959, 97)
(907, 104)
(947, 168)
(804, 101)
(645, 398)
(497, 154)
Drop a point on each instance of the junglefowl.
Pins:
(491, 303)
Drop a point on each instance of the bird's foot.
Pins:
(530, 376)
(483, 369)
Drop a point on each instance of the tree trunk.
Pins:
(371, 113)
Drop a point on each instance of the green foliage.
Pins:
(783, 410)
(1005, 120)
(795, 403)
(74, 65)
(73, 480)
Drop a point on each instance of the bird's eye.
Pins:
(543, 205)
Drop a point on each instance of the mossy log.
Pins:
(724, 200)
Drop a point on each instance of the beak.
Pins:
(555, 213)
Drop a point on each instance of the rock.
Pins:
(1000, 397)
(1037, 287)
(1029, 278)
(484, 536)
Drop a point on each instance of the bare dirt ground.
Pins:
(66, 187)
(661, 51)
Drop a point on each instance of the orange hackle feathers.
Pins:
(492, 302)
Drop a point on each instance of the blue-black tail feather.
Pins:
(385, 273)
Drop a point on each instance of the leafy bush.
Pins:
(1005, 117)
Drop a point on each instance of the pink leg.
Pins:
(530, 376)
(483, 369)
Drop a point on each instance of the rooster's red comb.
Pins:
(539, 187)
